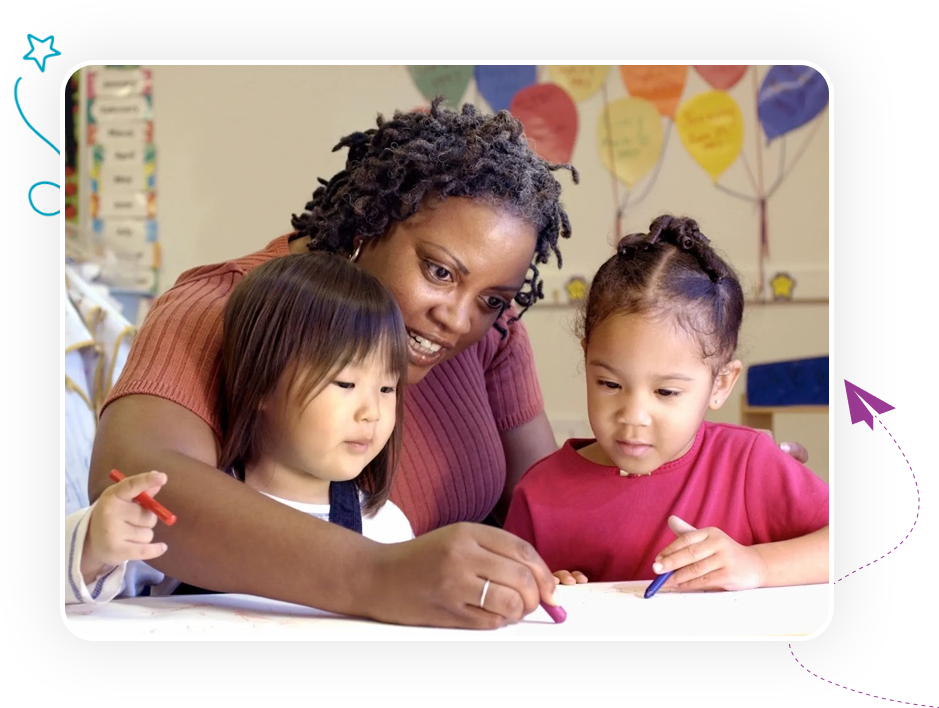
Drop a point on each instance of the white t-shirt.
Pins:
(388, 525)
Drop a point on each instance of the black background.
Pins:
(878, 349)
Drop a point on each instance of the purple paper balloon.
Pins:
(790, 97)
(499, 83)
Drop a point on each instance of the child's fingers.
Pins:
(679, 526)
(686, 554)
(146, 551)
(565, 577)
(685, 540)
(130, 487)
(700, 575)
(579, 577)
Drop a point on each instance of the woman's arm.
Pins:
(230, 538)
(523, 446)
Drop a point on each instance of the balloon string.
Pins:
(796, 159)
(761, 192)
(658, 164)
(609, 130)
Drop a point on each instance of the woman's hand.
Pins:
(795, 450)
(440, 579)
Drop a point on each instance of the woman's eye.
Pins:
(495, 303)
(438, 272)
(344, 384)
(608, 384)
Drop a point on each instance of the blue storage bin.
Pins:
(798, 382)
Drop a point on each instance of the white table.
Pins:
(595, 611)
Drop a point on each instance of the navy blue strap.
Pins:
(344, 508)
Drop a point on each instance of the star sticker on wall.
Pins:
(783, 285)
(576, 289)
(38, 51)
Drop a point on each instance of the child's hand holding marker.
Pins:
(121, 529)
(708, 559)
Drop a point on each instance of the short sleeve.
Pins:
(177, 352)
(511, 376)
(784, 498)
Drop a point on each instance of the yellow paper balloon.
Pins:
(710, 126)
(629, 137)
(580, 81)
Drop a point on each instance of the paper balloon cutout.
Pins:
(550, 119)
(720, 76)
(790, 97)
(662, 85)
(710, 126)
(580, 81)
(499, 83)
(630, 136)
(448, 80)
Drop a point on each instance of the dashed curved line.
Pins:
(792, 652)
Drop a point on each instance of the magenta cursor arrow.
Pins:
(859, 410)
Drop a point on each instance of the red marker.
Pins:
(149, 503)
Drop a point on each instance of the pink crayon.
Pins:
(556, 613)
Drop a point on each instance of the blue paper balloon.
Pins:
(790, 97)
(499, 83)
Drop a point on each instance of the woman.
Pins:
(453, 212)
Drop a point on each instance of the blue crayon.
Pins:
(657, 583)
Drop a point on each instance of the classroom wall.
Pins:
(239, 149)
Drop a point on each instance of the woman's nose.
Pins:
(455, 314)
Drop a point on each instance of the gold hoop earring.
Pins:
(355, 254)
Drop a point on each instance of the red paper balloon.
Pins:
(722, 77)
(550, 118)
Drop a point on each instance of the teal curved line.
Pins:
(16, 99)
(44, 213)
(29, 193)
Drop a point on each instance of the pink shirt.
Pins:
(453, 465)
(583, 516)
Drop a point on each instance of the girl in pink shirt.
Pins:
(659, 332)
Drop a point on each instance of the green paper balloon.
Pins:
(450, 81)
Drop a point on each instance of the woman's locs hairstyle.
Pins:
(305, 316)
(672, 271)
(443, 153)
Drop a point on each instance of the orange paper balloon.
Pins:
(663, 85)
(550, 119)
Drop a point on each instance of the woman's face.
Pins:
(451, 267)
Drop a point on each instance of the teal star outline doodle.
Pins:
(53, 52)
